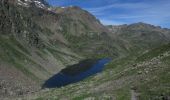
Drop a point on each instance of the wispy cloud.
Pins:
(119, 5)
(154, 13)
(125, 11)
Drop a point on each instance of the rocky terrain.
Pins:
(37, 41)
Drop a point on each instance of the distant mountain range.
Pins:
(141, 35)
(37, 41)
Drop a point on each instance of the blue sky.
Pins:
(118, 12)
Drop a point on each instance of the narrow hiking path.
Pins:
(134, 95)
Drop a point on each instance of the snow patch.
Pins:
(20, 2)
(26, 3)
(39, 4)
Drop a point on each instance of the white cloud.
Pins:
(119, 5)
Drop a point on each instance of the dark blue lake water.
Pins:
(76, 73)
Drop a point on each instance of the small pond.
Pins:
(76, 73)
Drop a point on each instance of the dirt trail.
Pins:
(134, 95)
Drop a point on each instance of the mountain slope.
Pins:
(144, 77)
(27, 47)
(77, 29)
(141, 36)
(35, 44)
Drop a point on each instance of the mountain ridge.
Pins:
(141, 33)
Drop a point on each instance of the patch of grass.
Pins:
(25, 70)
(15, 42)
(154, 53)
(9, 53)
(123, 94)
(81, 97)
(120, 63)
(157, 86)
(39, 98)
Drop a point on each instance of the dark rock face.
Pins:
(15, 22)
(33, 3)
(5, 24)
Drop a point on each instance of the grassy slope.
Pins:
(148, 78)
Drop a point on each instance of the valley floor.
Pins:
(144, 77)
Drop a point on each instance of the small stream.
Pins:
(76, 73)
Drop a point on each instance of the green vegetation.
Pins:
(9, 52)
(123, 94)
(154, 53)
(121, 76)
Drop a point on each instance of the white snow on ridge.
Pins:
(39, 4)
(22, 3)
(26, 3)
